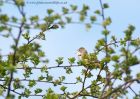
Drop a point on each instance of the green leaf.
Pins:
(101, 42)
(106, 59)
(14, 19)
(135, 42)
(28, 72)
(23, 19)
(94, 89)
(59, 60)
(42, 35)
(50, 90)
(127, 78)
(93, 19)
(138, 76)
(79, 79)
(123, 42)
(62, 78)
(65, 10)
(1, 90)
(97, 12)
(88, 26)
(27, 92)
(85, 7)
(57, 82)
(56, 16)
(41, 78)
(32, 83)
(68, 19)
(128, 32)
(105, 32)
(131, 27)
(114, 39)
(19, 97)
(82, 18)
(62, 23)
(38, 90)
(50, 19)
(50, 11)
(117, 74)
(19, 2)
(43, 27)
(63, 88)
(105, 5)
(115, 58)
(41, 54)
(27, 26)
(2, 28)
(34, 18)
(11, 67)
(111, 50)
(4, 18)
(49, 78)
(73, 7)
(51, 96)
(71, 60)
(68, 70)
(44, 69)
(107, 21)
(35, 60)
(17, 84)
(26, 36)
(89, 75)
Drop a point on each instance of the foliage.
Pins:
(28, 57)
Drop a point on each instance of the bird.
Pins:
(89, 60)
(82, 53)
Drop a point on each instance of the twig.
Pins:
(88, 95)
(121, 86)
(85, 79)
(11, 90)
(136, 50)
(64, 66)
(106, 45)
(133, 91)
(15, 51)
(82, 85)
(112, 43)
(32, 39)
(41, 81)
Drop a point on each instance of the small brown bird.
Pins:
(81, 52)
(88, 60)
